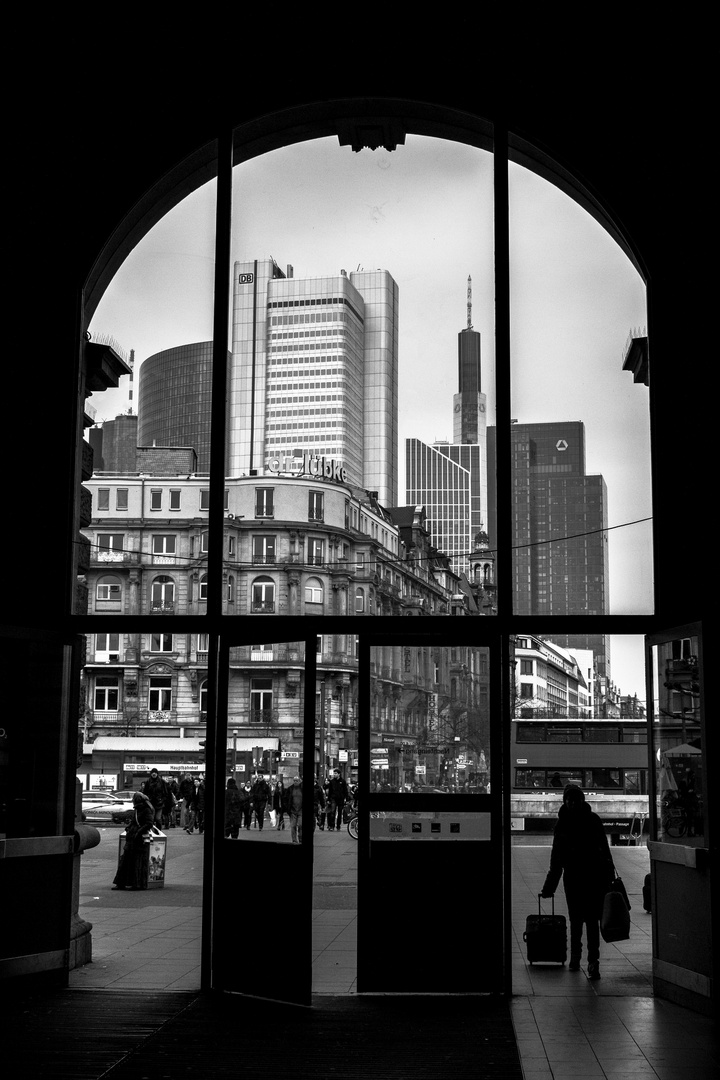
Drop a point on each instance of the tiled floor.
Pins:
(566, 1026)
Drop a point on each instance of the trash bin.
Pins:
(155, 852)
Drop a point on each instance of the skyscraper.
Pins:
(314, 371)
(450, 479)
(559, 523)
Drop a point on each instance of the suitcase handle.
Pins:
(553, 903)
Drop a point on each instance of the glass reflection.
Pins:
(430, 719)
(677, 743)
(265, 760)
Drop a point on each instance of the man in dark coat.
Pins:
(260, 796)
(157, 792)
(338, 794)
(187, 802)
(233, 810)
(581, 855)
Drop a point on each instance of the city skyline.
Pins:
(424, 213)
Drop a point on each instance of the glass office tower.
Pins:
(314, 372)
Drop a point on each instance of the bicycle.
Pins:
(352, 825)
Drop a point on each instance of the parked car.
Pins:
(98, 806)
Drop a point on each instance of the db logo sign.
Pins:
(246, 279)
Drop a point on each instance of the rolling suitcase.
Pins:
(546, 937)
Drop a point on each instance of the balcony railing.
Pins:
(162, 607)
(262, 607)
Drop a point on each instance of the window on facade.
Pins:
(108, 591)
(121, 498)
(160, 693)
(262, 596)
(161, 643)
(316, 506)
(107, 647)
(156, 499)
(261, 701)
(203, 697)
(110, 547)
(313, 591)
(316, 552)
(263, 549)
(107, 693)
(230, 589)
(204, 498)
(204, 542)
(103, 498)
(203, 587)
(359, 600)
(264, 502)
(163, 545)
(175, 499)
(203, 643)
(162, 594)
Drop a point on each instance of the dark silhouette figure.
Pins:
(581, 856)
(132, 872)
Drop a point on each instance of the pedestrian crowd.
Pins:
(251, 804)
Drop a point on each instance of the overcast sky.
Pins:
(424, 213)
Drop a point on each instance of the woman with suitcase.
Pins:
(581, 856)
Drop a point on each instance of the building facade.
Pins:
(175, 388)
(314, 367)
(549, 681)
(291, 546)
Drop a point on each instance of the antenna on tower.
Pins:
(469, 303)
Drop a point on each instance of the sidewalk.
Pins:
(565, 1025)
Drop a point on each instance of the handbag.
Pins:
(615, 920)
(618, 886)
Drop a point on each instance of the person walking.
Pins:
(338, 795)
(157, 792)
(581, 856)
(132, 871)
(233, 810)
(260, 797)
(246, 802)
(187, 799)
(200, 805)
(294, 801)
(278, 803)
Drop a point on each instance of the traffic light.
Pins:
(257, 755)
(202, 755)
(229, 761)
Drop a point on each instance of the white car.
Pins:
(98, 806)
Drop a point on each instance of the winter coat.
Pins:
(337, 790)
(260, 793)
(157, 792)
(580, 855)
(233, 805)
(187, 791)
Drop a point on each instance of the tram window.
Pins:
(530, 733)
(634, 735)
(530, 778)
(601, 734)
(564, 734)
(602, 778)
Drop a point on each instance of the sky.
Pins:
(424, 213)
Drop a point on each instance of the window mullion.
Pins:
(221, 313)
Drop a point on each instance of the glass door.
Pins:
(261, 937)
(430, 877)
